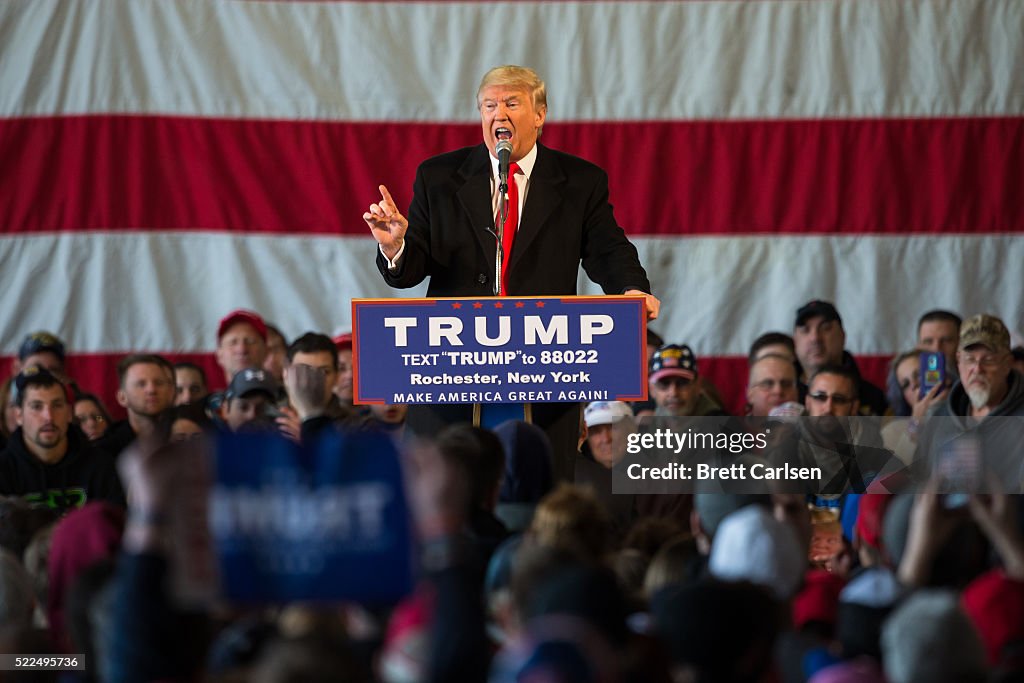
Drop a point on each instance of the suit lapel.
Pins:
(544, 194)
(475, 196)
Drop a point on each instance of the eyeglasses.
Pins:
(984, 362)
(769, 384)
(837, 399)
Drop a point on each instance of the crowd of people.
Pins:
(526, 573)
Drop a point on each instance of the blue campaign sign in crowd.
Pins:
(314, 522)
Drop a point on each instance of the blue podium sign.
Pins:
(499, 350)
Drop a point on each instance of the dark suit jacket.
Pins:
(566, 219)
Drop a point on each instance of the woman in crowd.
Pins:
(91, 416)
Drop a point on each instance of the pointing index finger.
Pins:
(387, 199)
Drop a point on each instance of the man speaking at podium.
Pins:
(558, 216)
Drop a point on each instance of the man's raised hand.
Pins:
(387, 224)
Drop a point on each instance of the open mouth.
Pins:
(503, 134)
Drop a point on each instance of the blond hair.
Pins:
(518, 77)
(571, 517)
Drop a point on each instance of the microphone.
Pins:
(504, 151)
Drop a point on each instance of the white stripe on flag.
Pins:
(167, 291)
(421, 61)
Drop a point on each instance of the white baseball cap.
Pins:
(605, 412)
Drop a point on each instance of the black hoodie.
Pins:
(83, 474)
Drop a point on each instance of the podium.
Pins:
(489, 359)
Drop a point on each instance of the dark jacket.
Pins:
(118, 437)
(83, 474)
(1000, 433)
(566, 219)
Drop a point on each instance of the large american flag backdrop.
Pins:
(165, 161)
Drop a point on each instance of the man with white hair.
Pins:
(989, 388)
(609, 424)
(558, 218)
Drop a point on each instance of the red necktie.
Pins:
(508, 234)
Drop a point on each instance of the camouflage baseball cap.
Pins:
(986, 330)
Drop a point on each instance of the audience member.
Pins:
(939, 330)
(318, 352)
(832, 390)
(44, 349)
(277, 352)
(718, 631)
(673, 384)
(751, 545)
(189, 383)
(654, 342)
(9, 412)
(529, 474)
(677, 562)
(388, 417)
(849, 451)
(819, 338)
(772, 343)
(572, 518)
(146, 393)
(343, 386)
(17, 600)
(929, 638)
(83, 537)
(709, 509)
(900, 434)
(988, 389)
(46, 461)
(19, 522)
(188, 421)
(91, 416)
(1017, 352)
(250, 401)
(241, 342)
(772, 382)
(37, 559)
(478, 454)
(609, 424)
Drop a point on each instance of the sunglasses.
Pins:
(837, 399)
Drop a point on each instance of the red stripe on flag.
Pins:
(703, 177)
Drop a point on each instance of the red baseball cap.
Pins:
(343, 341)
(242, 316)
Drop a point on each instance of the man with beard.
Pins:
(48, 462)
(987, 402)
(848, 449)
(674, 387)
(147, 392)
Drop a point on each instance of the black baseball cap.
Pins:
(39, 342)
(252, 380)
(672, 360)
(815, 309)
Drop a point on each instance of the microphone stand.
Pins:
(499, 232)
